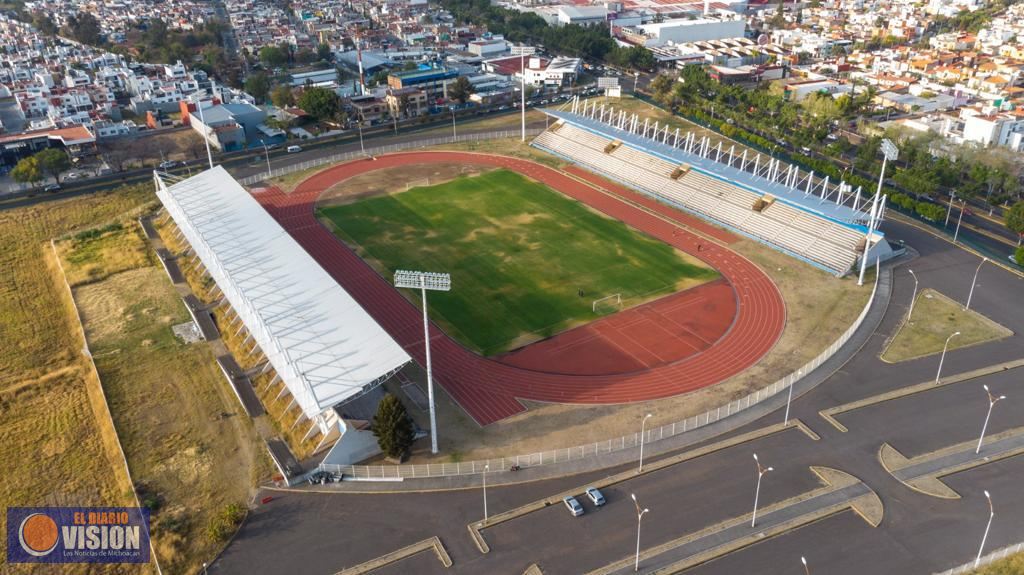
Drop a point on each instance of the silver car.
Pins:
(574, 506)
(595, 496)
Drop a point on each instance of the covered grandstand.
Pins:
(318, 340)
(823, 223)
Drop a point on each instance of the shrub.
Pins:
(392, 427)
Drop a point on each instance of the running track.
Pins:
(489, 390)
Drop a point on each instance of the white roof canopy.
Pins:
(321, 342)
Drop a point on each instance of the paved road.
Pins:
(321, 533)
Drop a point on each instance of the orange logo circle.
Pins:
(38, 534)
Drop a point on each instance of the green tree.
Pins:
(323, 52)
(305, 56)
(85, 28)
(460, 89)
(258, 85)
(321, 103)
(779, 19)
(273, 56)
(1015, 222)
(44, 23)
(27, 171)
(392, 427)
(54, 162)
(282, 96)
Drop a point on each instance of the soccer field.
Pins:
(518, 252)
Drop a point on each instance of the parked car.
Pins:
(74, 176)
(52, 188)
(168, 164)
(595, 496)
(294, 149)
(573, 506)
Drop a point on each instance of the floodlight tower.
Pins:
(889, 152)
(424, 281)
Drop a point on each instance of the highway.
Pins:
(326, 532)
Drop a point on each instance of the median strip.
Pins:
(400, 554)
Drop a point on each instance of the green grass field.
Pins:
(518, 254)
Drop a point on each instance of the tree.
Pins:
(321, 103)
(323, 52)
(258, 85)
(282, 96)
(305, 56)
(85, 28)
(273, 56)
(44, 23)
(779, 19)
(392, 427)
(1015, 222)
(54, 162)
(27, 171)
(460, 89)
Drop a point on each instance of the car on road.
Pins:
(573, 506)
(595, 496)
(168, 164)
(74, 176)
(52, 188)
(294, 149)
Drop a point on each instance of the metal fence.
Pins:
(381, 150)
(390, 472)
(990, 558)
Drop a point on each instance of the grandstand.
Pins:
(806, 217)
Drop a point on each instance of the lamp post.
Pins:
(761, 470)
(789, 399)
(359, 124)
(807, 570)
(992, 401)
(956, 234)
(454, 135)
(974, 282)
(206, 133)
(912, 298)
(942, 358)
(639, 516)
(889, 153)
(952, 196)
(991, 514)
(435, 282)
(643, 425)
(486, 468)
(522, 90)
(267, 151)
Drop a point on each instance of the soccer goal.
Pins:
(614, 300)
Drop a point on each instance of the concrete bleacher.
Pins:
(821, 241)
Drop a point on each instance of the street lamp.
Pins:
(992, 401)
(974, 282)
(761, 470)
(789, 399)
(204, 567)
(486, 468)
(889, 152)
(454, 136)
(991, 514)
(956, 234)
(807, 570)
(642, 427)
(942, 358)
(359, 124)
(952, 196)
(639, 516)
(267, 150)
(914, 297)
(426, 281)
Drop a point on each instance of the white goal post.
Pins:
(617, 297)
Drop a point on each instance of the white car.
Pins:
(294, 149)
(595, 496)
(573, 506)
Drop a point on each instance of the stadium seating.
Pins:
(829, 244)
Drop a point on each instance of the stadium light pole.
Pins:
(889, 152)
(761, 470)
(942, 357)
(991, 514)
(974, 282)
(913, 298)
(642, 426)
(424, 281)
(992, 401)
(639, 516)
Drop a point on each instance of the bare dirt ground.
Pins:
(394, 181)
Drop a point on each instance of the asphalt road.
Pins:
(322, 533)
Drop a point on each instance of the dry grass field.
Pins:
(190, 448)
(936, 316)
(57, 448)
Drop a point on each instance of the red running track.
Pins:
(490, 390)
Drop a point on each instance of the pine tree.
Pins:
(392, 427)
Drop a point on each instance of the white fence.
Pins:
(381, 150)
(610, 445)
(990, 558)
